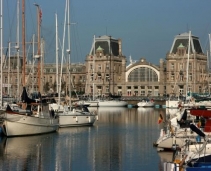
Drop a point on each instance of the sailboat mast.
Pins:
(109, 87)
(23, 42)
(187, 73)
(1, 32)
(39, 13)
(64, 31)
(33, 38)
(68, 50)
(93, 92)
(8, 76)
(18, 48)
(57, 60)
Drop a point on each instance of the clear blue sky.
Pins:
(147, 27)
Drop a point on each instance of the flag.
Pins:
(160, 119)
(199, 124)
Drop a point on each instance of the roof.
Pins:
(195, 46)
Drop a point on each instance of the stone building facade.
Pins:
(105, 67)
(106, 71)
(186, 69)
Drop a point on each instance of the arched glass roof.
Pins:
(143, 74)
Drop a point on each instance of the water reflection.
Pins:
(24, 153)
(165, 157)
(120, 140)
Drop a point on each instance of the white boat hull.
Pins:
(145, 104)
(112, 103)
(74, 120)
(166, 141)
(21, 125)
(93, 103)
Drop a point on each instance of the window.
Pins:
(200, 89)
(190, 77)
(143, 74)
(99, 77)
(107, 89)
(99, 90)
(181, 77)
(107, 66)
(190, 66)
(142, 87)
(119, 70)
(172, 76)
(181, 66)
(149, 93)
(107, 77)
(142, 93)
(99, 67)
(92, 77)
(172, 66)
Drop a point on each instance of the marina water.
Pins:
(121, 140)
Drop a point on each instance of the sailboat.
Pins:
(69, 115)
(192, 156)
(39, 120)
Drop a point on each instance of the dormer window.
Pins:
(99, 52)
(181, 50)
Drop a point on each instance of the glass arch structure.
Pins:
(143, 74)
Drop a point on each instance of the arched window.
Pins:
(143, 74)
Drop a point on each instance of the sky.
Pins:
(147, 27)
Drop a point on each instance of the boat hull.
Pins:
(201, 112)
(167, 141)
(76, 120)
(21, 125)
(145, 104)
(112, 103)
(93, 103)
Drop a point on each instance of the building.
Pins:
(106, 71)
(186, 69)
(105, 67)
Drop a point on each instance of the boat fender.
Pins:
(76, 119)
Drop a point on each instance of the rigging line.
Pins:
(75, 46)
(79, 44)
(75, 31)
(207, 39)
(31, 16)
(49, 45)
(10, 23)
